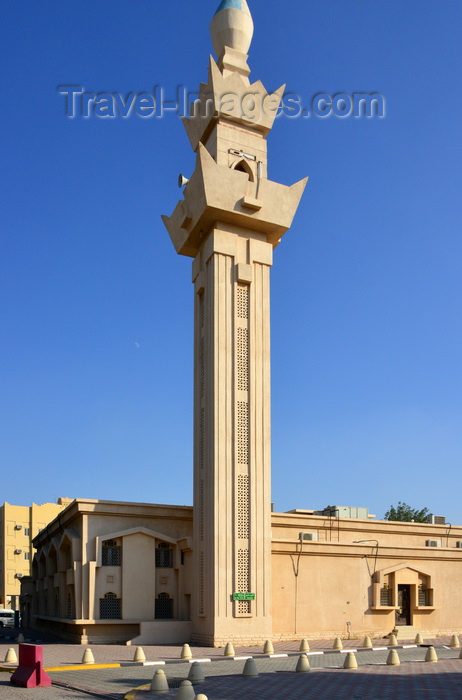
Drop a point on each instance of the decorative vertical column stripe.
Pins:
(242, 446)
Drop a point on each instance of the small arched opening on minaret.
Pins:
(243, 167)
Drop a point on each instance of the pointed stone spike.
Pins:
(159, 682)
(11, 657)
(20, 638)
(418, 638)
(186, 652)
(303, 664)
(139, 654)
(393, 658)
(304, 646)
(186, 691)
(229, 650)
(454, 644)
(350, 661)
(250, 669)
(392, 641)
(268, 647)
(337, 643)
(431, 654)
(196, 673)
(88, 657)
(367, 644)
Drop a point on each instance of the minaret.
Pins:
(231, 218)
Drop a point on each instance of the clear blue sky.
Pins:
(96, 315)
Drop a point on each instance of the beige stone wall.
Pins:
(339, 581)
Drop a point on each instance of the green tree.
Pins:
(405, 513)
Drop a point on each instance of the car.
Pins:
(6, 618)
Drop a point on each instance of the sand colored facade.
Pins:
(109, 571)
(18, 526)
(230, 220)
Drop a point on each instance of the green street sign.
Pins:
(243, 596)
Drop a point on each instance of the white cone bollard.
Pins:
(186, 652)
(350, 661)
(229, 650)
(337, 643)
(196, 673)
(250, 669)
(20, 638)
(159, 682)
(393, 658)
(367, 643)
(186, 691)
(418, 638)
(304, 646)
(392, 641)
(268, 647)
(454, 644)
(431, 655)
(139, 654)
(303, 664)
(11, 657)
(201, 696)
(88, 657)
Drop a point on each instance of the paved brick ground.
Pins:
(373, 681)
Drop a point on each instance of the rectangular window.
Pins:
(27, 531)
(110, 608)
(27, 555)
(164, 607)
(111, 555)
(164, 558)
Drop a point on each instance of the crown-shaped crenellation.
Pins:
(231, 97)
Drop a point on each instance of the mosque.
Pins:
(229, 569)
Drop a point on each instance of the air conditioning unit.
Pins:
(459, 544)
(18, 551)
(18, 575)
(18, 527)
(308, 536)
(436, 519)
(433, 543)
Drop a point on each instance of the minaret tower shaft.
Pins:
(230, 220)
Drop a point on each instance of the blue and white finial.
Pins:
(232, 26)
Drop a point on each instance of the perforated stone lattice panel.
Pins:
(243, 506)
(243, 582)
(201, 509)
(242, 432)
(242, 359)
(243, 299)
(201, 584)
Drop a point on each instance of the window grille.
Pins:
(164, 556)
(164, 607)
(27, 555)
(385, 595)
(111, 554)
(110, 607)
(27, 531)
(423, 598)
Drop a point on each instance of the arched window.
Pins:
(110, 607)
(164, 556)
(243, 167)
(111, 553)
(164, 607)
